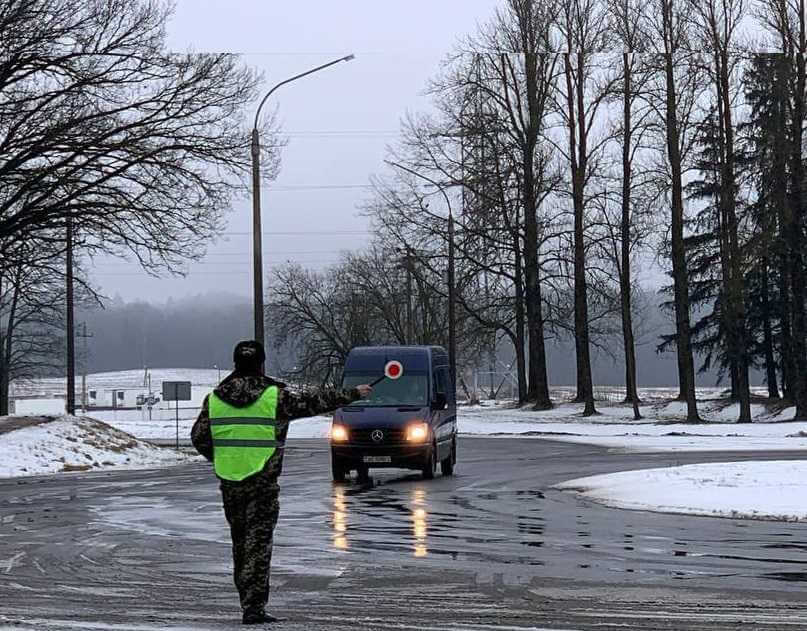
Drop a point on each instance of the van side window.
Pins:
(440, 380)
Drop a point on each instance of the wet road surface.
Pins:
(493, 547)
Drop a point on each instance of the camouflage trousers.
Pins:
(252, 517)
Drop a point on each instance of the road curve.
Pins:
(493, 547)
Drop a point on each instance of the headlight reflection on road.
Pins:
(339, 519)
(419, 524)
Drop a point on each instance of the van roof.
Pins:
(374, 358)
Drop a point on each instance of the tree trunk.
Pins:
(8, 343)
(4, 376)
(783, 219)
(686, 364)
(538, 381)
(795, 231)
(631, 390)
(737, 327)
(521, 362)
(767, 334)
(542, 400)
(734, 391)
(578, 154)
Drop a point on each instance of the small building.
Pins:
(119, 398)
(39, 406)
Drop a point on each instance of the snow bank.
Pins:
(69, 443)
(614, 428)
(772, 490)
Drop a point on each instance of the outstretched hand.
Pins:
(364, 390)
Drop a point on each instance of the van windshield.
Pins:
(408, 390)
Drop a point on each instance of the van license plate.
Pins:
(377, 459)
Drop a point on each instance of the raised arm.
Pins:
(293, 405)
(201, 437)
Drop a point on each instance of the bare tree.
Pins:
(674, 101)
(32, 316)
(139, 147)
(493, 150)
(586, 35)
(627, 21)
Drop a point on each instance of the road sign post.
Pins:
(177, 391)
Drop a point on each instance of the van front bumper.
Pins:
(400, 456)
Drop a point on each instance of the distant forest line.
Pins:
(200, 332)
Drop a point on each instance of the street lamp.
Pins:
(256, 199)
(452, 336)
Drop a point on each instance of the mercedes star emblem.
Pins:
(377, 436)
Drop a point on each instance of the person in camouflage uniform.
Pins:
(251, 506)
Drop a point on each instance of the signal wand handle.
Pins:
(377, 381)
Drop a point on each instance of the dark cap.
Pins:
(249, 353)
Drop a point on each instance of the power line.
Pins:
(303, 233)
(213, 263)
(206, 273)
(315, 187)
(321, 133)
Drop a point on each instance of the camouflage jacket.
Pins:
(241, 390)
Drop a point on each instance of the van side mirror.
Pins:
(440, 402)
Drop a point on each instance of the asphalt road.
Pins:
(493, 547)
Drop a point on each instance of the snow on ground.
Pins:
(163, 424)
(160, 423)
(613, 428)
(70, 443)
(314, 427)
(120, 380)
(773, 490)
(661, 429)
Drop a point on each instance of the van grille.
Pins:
(364, 436)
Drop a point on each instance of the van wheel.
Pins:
(338, 470)
(447, 465)
(430, 466)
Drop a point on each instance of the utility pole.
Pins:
(452, 324)
(257, 242)
(71, 345)
(409, 328)
(86, 355)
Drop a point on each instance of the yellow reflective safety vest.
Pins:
(244, 439)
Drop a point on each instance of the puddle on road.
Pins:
(409, 527)
(790, 577)
(393, 517)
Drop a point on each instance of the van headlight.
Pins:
(417, 433)
(339, 434)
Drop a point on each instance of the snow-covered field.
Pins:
(120, 380)
(77, 444)
(751, 490)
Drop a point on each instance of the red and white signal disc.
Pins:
(393, 370)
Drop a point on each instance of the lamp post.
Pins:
(452, 334)
(257, 244)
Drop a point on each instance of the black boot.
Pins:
(258, 616)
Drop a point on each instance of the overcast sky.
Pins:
(338, 121)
